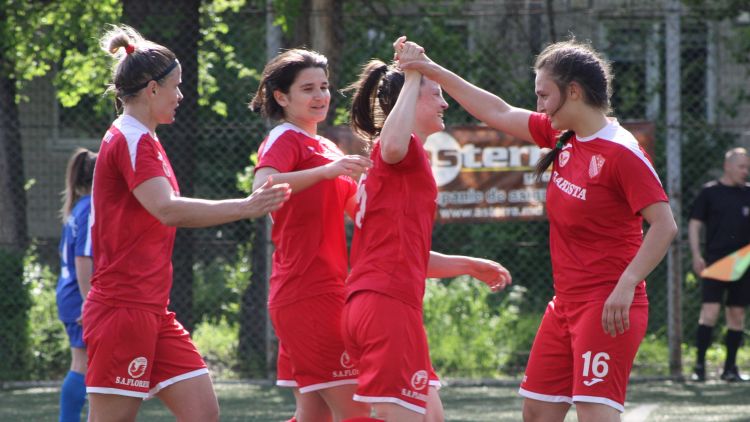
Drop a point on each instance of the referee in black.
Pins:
(722, 208)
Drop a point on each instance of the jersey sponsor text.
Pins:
(568, 187)
(130, 382)
(413, 394)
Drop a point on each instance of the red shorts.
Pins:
(284, 370)
(311, 352)
(136, 353)
(574, 360)
(387, 340)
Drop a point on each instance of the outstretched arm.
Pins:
(349, 165)
(485, 106)
(489, 272)
(157, 196)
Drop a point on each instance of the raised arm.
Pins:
(485, 106)
(157, 196)
(399, 125)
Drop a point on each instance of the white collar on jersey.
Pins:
(296, 128)
(126, 119)
(607, 132)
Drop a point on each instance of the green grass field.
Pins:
(647, 401)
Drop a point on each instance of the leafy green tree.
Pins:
(35, 37)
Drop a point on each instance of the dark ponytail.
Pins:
(364, 107)
(543, 164)
(375, 94)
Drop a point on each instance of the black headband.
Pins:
(165, 72)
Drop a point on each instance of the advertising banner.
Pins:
(486, 175)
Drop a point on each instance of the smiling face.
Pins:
(306, 103)
(167, 97)
(549, 99)
(430, 108)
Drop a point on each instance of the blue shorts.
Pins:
(75, 334)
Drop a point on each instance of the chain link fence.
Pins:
(220, 274)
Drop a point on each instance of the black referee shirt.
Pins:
(725, 212)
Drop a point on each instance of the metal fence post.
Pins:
(273, 46)
(674, 188)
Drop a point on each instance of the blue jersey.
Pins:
(75, 241)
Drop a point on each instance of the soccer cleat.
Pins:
(733, 375)
(699, 373)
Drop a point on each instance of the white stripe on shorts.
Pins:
(545, 397)
(166, 383)
(410, 406)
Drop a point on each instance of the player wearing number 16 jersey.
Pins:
(391, 258)
(602, 187)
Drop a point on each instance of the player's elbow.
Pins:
(167, 214)
(670, 228)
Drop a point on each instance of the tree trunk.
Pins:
(14, 301)
(176, 25)
(325, 38)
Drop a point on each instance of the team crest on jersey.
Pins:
(419, 380)
(595, 167)
(164, 165)
(346, 361)
(563, 158)
(137, 367)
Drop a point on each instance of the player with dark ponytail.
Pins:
(396, 111)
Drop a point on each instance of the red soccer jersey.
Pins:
(308, 230)
(393, 226)
(132, 249)
(597, 187)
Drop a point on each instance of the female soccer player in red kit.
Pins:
(310, 261)
(136, 348)
(390, 256)
(602, 187)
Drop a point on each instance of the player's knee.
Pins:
(536, 411)
(210, 414)
(709, 316)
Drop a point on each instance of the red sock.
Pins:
(363, 420)
(294, 419)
